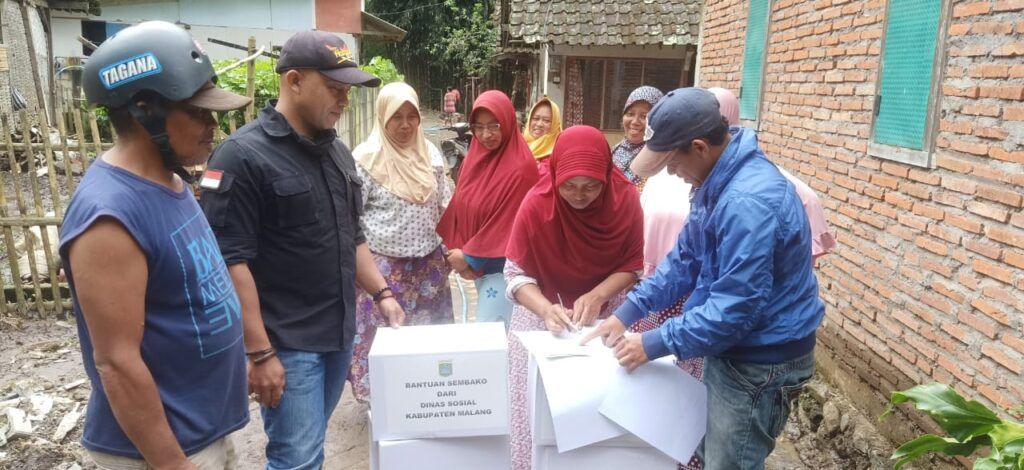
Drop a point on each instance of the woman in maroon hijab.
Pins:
(498, 172)
(577, 242)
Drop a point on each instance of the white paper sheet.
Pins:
(576, 385)
(661, 404)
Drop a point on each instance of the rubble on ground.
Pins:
(40, 417)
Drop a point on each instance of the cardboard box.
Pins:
(543, 427)
(439, 381)
(446, 453)
(374, 448)
(587, 412)
(597, 457)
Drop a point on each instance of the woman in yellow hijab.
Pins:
(405, 191)
(542, 128)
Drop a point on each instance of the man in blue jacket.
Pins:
(744, 259)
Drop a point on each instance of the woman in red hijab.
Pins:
(577, 242)
(498, 172)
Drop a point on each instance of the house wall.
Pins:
(19, 72)
(340, 16)
(556, 91)
(927, 281)
(270, 22)
(292, 15)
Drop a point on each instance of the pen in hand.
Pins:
(572, 326)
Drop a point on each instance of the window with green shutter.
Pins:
(907, 84)
(753, 58)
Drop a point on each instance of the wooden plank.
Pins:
(4, 67)
(97, 140)
(37, 193)
(29, 244)
(58, 210)
(29, 221)
(218, 135)
(51, 165)
(19, 293)
(82, 140)
(250, 82)
(33, 60)
(8, 234)
(20, 147)
(232, 125)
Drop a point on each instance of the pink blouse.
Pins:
(666, 203)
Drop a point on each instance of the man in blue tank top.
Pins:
(158, 318)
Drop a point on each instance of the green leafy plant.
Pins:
(470, 42)
(447, 42)
(265, 79)
(103, 123)
(970, 426)
(383, 68)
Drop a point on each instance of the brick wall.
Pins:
(927, 282)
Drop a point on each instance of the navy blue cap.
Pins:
(682, 115)
(326, 52)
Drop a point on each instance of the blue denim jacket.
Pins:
(744, 258)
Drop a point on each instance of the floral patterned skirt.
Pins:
(421, 287)
(693, 366)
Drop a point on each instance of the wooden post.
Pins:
(32, 55)
(250, 81)
(83, 148)
(29, 245)
(51, 164)
(97, 139)
(37, 193)
(58, 209)
(50, 71)
(19, 293)
(68, 167)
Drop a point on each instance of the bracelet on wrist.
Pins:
(378, 296)
(387, 295)
(259, 352)
(263, 357)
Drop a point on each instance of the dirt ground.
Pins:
(41, 357)
(41, 373)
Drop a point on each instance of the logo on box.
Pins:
(444, 368)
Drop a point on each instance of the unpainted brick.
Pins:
(1003, 357)
(1006, 235)
(995, 271)
(1005, 196)
(991, 310)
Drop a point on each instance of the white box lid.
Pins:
(439, 339)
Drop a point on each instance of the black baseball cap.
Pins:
(325, 52)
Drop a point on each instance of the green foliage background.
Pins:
(447, 42)
(235, 79)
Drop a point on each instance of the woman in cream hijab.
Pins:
(405, 191)
(542, 128)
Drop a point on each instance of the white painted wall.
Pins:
(65, 36)
(280, 20)
(290, 15)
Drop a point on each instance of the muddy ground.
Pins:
(41, 373)
(41, 357)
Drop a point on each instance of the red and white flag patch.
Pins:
(211, 179)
